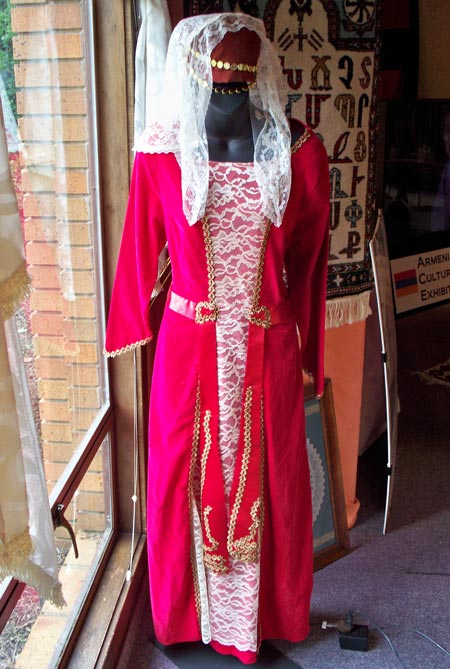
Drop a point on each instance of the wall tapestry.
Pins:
(329, 54)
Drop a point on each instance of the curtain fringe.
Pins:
(348, 310)
(15, 561)
(13, 290)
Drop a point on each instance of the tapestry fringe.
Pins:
(15, 562)
(347, 310)
(13, 290)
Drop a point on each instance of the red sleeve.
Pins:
(307, 257)
(142, 240)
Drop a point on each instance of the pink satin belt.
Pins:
(267, 316)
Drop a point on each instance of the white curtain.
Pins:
(150, 60)
(27, 547)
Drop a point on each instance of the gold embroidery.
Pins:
(260, 315)
(243, 473)
(215, 563)
(206, 450)
(127, 348)
(246, 548)
(262, 443)
(214, 543)
(301, 140)
(205, 311)
(191, 497)
(208, 311)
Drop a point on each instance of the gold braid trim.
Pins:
(13, 290)
(127, 348)
(208, 311)
(215, 563)
(214, 543)
(262, 437)
(205, 454)
(301, 140)
(245, 549)
(260, 315)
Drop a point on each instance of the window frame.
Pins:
(103, 614)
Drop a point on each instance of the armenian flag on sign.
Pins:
(406, 283)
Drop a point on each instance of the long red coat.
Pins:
(185, 361)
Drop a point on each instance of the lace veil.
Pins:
(178, 125)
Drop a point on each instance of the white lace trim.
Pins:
(201, 575)
(237, 229)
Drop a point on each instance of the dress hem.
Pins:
(244, 656)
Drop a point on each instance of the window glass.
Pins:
(47, 87)
(54, 162)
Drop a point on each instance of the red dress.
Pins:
(229, 504)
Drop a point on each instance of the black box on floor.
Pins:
(357, 639)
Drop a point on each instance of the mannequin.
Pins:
(229, 530)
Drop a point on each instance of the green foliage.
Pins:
(6, 53)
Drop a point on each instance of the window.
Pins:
(54, 95)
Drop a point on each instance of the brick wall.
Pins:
(50, 74)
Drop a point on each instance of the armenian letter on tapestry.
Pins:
(328, 53)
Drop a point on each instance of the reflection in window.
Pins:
(56, 182)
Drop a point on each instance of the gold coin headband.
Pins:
(225, 65)
(240, 67)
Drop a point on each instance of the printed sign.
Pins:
(421, 280)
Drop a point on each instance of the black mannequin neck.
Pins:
(229, 128)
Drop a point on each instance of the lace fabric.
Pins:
(237, 228)
(178, 124)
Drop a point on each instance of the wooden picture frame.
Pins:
(330, 530)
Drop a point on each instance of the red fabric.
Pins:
(239, 47)
(245, 656)
(301, 243)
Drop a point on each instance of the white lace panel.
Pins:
(237, 230)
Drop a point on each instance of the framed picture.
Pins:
(330, 531)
